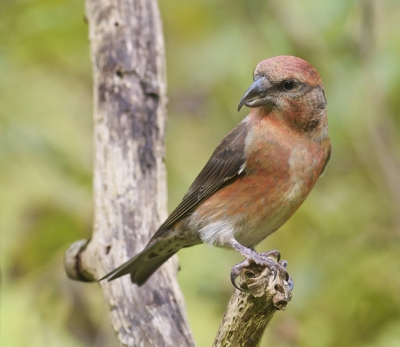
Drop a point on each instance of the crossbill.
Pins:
(258, 175)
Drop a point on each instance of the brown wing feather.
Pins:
(223, 166)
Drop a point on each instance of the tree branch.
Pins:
(127, 52)
(249, 311)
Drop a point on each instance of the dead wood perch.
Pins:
(251, 309)
(127, 52)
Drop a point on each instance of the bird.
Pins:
(256, 178)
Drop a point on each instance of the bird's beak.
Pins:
(258, 94)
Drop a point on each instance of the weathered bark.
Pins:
(249, 311)
(127, 52)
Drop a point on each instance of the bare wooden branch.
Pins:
(127, 52)
(249, 311)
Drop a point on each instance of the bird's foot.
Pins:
(270, 260)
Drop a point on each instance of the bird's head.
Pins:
(291, 88)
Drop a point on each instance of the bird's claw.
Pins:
(234, 275)
(263, 259)
(290, 283)
(274, 254)
(275, 272)
(235, 272)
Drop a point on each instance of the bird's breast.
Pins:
(280, 172)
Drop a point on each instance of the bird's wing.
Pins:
(225, 164)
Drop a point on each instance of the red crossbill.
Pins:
(258, 175)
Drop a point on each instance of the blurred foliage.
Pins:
(343, 243)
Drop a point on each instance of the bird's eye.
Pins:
(289, 85)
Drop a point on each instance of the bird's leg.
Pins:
(269, 259)
(253, 256)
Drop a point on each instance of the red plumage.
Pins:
(259, 174)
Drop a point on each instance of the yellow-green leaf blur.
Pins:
(343, 245)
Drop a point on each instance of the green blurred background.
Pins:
(342, 245)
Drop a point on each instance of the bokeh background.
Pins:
(343, 245)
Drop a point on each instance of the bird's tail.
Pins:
(142, 266)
